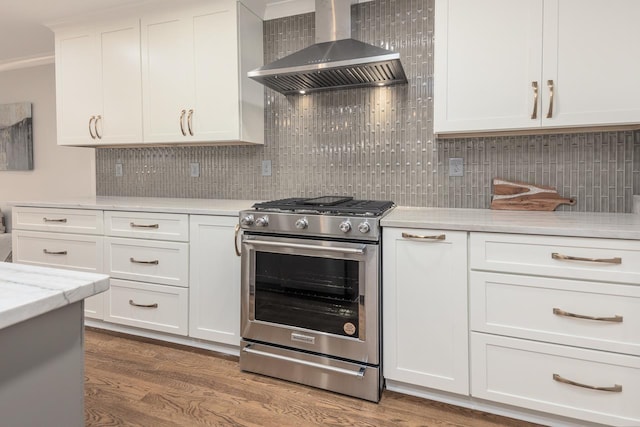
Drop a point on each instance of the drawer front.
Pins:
(522, 373)
(147, 261)
(145, 225)
(156, 307)
(58, 220)
(571, 312)
(71, 251)
(568, 257)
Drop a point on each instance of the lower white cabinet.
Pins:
(214, 303)
(425, 332)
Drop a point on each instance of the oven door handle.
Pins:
(358, 251)
(358, 374)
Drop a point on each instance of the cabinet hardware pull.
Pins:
(182, 113)
(45, 219)
(615, 318)
(550, 112)
(48, 252)
(134, 225)
(560, 257)
(534, 115)
(91, 120)
(427, 238)
(235, 240)
(615, 389)
(154, 262)
(143, 305)
(190, 122)
(95, 125)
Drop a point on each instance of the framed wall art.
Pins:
(16, 137)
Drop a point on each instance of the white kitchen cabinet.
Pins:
(214, 292)
(425, 332)
(532, 64)
(98, 84)
(194, 74)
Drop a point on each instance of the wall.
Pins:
(378, 143)
(59, 172)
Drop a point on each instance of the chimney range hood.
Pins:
(335, 61)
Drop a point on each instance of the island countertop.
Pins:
(28, 291)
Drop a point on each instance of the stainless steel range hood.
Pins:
(335, 61)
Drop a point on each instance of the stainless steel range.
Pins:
(311, 292)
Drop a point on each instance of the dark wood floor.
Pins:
(139, 382)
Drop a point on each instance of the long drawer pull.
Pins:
(358, 374)
(615, 389)
(48, 252)
(143, 305)
(616, 318)
(616, 260)
(45, 219)
(134, 225)
(427, 238)
(154, 262)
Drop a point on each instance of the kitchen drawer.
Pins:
(158, 307)
(71, 251)
(58, 220)
(539, 308)
(146, 225)
(602, 259)
(521, 373)
(147, 260)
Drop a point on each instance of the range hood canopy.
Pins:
(335, 61)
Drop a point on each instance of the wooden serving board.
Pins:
(509, 195)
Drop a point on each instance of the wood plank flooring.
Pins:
(140, 382)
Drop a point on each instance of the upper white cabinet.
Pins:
(98, 84)
(194, 74)
(531, 64)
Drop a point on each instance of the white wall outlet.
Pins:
(266, 168)
(118, 169)
(456, 166)
(194, 170)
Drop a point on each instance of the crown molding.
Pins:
(27, 61)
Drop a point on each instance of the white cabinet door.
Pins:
(214, 289)
(425, 331)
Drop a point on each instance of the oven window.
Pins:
(315, 293)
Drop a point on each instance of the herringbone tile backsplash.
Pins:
(377, 143)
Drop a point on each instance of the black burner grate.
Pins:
(337, 205)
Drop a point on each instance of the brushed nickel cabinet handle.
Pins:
(135, 261)
(91, 120)
(235, 240)
(95, 126)
(615, 389)
(143, 305)
(45, 219)
(426, 238)
(182, 113)
(134, 225)
(550, 112)
(534, 115)
(48, 252)
(190, 122)
(561, 257)
(615, 318)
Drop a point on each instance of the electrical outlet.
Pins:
(194, 170)
(456, 166)
(118, 169)
(266, 168)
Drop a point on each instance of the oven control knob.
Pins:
(345, 226)
(364, 227)
(263, 221)
(247, 220)
(302, 223)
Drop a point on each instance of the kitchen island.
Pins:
(41, 342)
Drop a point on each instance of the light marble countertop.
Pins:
(28, 291)
(556, 223)
(220, 207)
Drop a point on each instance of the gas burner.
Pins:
(326, 205)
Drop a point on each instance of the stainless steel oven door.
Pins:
(315, 295)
